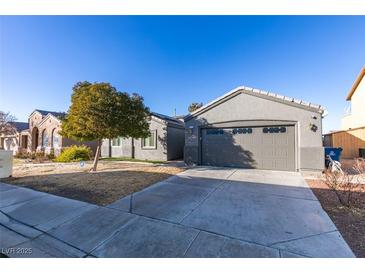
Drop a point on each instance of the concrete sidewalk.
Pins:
(201, 212)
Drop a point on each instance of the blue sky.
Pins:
(175, 60)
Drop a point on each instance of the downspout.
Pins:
(110, 148)
(132, 152)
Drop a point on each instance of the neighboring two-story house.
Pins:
(355, 115)
(351, 137)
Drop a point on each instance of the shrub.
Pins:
(359, 166)
(51, 155)
(345, 184)
(22, 155)
(38, 157)
(32, 155)
(74, 154)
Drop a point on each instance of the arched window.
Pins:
(35, 138)
(44, 138)
(54, 138)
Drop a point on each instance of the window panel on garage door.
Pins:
(250, 147)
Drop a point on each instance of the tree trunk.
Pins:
(96, 158)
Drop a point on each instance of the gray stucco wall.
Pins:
(175, 143)
(105, 148)
(123, 150)
(126, 150)
(246, 109)
(117, 151)
(158, 154)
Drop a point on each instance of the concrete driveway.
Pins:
(201, 212)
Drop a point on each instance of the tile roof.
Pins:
(258, 92)
(167, 118)
(54, 113)
(20, 126)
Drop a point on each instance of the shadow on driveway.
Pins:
(201, 212)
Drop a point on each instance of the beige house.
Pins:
(43, 131)
(351, 137)
(12, 142)
(355, 114)
(41, 134)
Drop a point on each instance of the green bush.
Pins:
(74, 154)
(51, 155)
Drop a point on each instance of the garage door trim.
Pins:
(251, 124)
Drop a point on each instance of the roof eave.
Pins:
(180, 125)
(46, 117)
(210, 104)
(156, 117)
(259, 93)
(356, 84)
(33, 112)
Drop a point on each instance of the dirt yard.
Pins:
(349, 221)
(112, 181)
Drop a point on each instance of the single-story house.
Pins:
(251, 128)
(166, 141)
(13, 141)
(41, 134)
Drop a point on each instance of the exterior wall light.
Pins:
(313, 127)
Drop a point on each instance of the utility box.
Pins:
(6, 163)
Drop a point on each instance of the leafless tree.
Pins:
(359, 165)
(6, 126)
(344, 184)
(359, 168)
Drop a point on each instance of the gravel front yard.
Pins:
(112, 181)
(349, 221)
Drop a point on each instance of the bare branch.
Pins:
(344, 184)
(6, 126)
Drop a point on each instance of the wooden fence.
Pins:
(350, 141)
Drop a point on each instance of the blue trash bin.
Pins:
(334, 152)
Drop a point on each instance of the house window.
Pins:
(116, 142)
(242, 131)
(274, 130)
(150, 142)
(54, 138)
(44, 138)
(24, 141)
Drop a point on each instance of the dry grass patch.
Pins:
(350, 220)
(112, 181)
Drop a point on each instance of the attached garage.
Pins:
(270, 147)
(248, 128)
